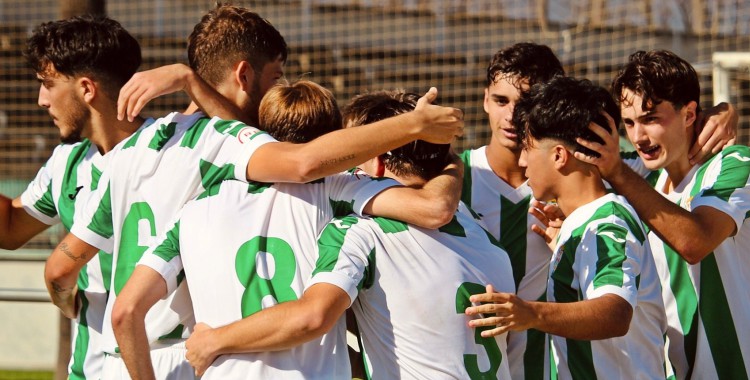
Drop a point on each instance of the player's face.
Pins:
(58, 94)
(537, 157)
(269, 76)
(499, 101)
(660, 134)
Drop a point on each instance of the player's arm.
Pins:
(16, 225)
(155, 276)
(693, 235)
(147, 85)
(143, 289)
(344, 149)
(717, 129)
(34, 210)
(280, 327)
(604, 317)
(430, 206)
(61, 272)
(292, 323)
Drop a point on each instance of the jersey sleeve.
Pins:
(165, 257)
(615, 265)
(227, 149)
(725, 184)
(93, 224)
(344, 250)
(350, 192)
(37, 199)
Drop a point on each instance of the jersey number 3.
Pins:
(494, 355)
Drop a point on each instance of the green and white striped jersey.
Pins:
(504, 213)
(415, 289)
(245, 247)
(63, 183)
(602, 249)
(708, 304)
(150, 177)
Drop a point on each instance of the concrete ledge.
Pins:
(28, 330)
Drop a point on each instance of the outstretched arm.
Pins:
(280, 327)
(430, 206)
(344, 149)
(693, 235)
(61, 272)
(604, 317)
(17, 227)
(144, 288)
(717, 129)
(147, 85)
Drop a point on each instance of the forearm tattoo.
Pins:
(66, 250)
(59, 288)
(337, 160)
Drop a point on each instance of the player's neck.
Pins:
(504, 163)
(579, 189)
(106, 132)
(678, 169)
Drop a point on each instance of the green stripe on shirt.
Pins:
(170, 247)
(610, 250)
(466, 190)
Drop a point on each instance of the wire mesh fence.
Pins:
(352, 46)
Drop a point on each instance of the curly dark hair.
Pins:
(562, 109)
(658, 75)
(95, 46)
(526, 61)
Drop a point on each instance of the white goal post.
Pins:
(722, 63)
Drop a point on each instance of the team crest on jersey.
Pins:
(246, 134)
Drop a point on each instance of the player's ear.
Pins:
(87, 89)
(486, 103)
(244, 75)
(690, 112)
(560, 156)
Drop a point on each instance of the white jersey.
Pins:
(503, 210)
(602, 249)
(245, 247)
(415, 289)
(63, 183)
(708, 304)
(151, 176)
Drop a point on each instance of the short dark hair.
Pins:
(658, 75)
(562, 109)
(418, 158)
(299, 112)
(229, 34)
(527, 61)
(94, 46)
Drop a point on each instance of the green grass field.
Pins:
(26, 375)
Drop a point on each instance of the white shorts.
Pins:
(167, 357)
